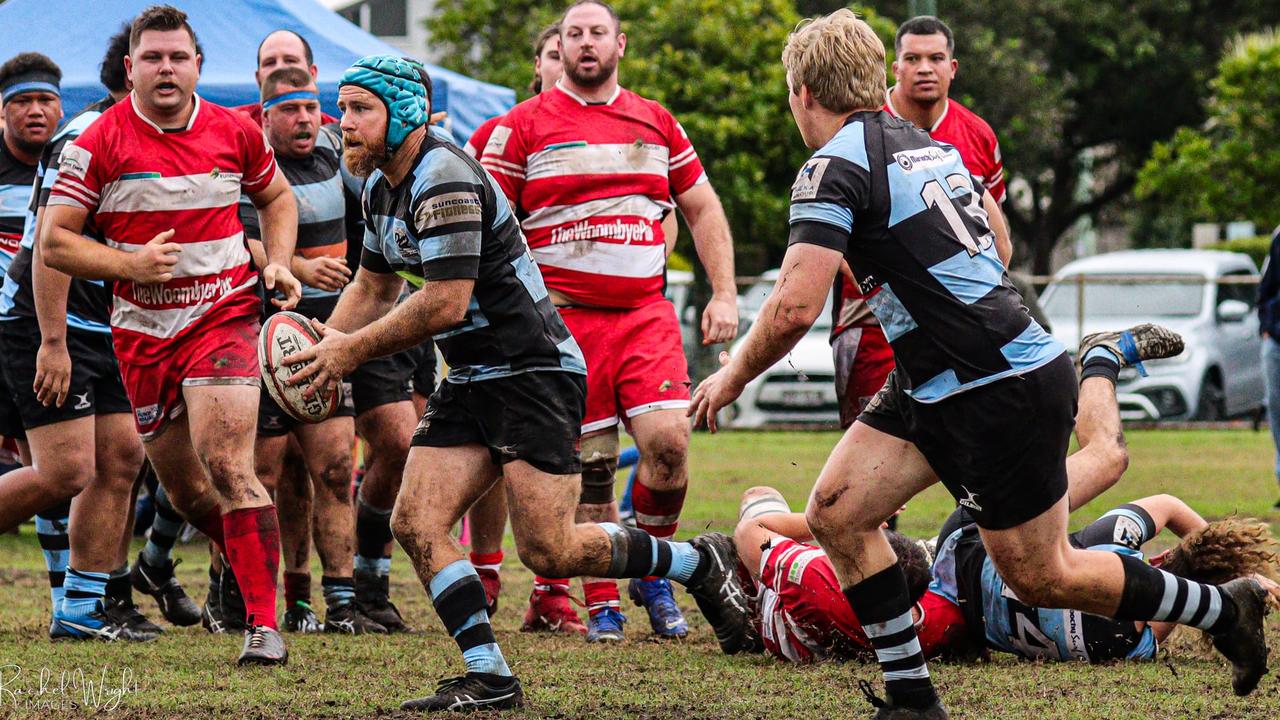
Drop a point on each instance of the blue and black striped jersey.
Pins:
(446, 221)
(88, 301)
(908, 217)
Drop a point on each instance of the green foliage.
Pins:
(715, 64)
(1079, 90)
(1229, 168)
(1255, 247)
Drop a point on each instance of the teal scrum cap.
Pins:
(394, 81)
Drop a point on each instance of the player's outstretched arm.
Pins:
(1167, 511)
(369, 296)
(798, 297)
(66, 249)
(278, 212)
(438, 306)
(710, 228)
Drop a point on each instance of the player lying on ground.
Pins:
(962, 606)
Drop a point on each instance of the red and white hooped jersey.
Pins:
(972, 137)
(137, 180)
(480, 137)
(592, 182)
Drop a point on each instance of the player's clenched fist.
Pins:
(154, 262)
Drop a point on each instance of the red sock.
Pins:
(487, 561)
(211, 525)
(600, 593)
(542, 585)
(253, 549)
(657, 511)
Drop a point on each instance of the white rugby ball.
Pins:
(284, 334)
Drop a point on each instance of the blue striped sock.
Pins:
(51, 531)
(84, 591)
(460, 602)
(166, 527)
(380, 566)
(338, 591)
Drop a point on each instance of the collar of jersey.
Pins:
(888, 101)
(133, 100)
(617, 90)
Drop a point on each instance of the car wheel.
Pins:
(1212, 404)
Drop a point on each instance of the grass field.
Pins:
(190, 674)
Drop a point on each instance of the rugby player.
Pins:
(309, 154)
(58, 349)
(924, 66)
(282, 49)
(511, 407)
(962, 607)
(184, 318)
(591, 169)
(972, 371)
(30, 108)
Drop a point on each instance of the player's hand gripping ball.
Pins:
(283, 334)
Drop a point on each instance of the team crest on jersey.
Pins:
(74, 161)
(1127, 532)
(497, 141)
(407, 249)
(921, 158)
(809, 179)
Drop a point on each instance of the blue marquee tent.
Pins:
(74, 33)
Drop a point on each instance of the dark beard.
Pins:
(604, 70)
(363, 160)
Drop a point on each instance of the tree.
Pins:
(1229, 168)
(714, 63)
(1080, 90)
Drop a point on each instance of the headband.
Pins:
(395, 82)
(290, 96)
(30, 81)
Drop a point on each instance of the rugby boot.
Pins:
(492, 583)
(605, 626)
(263, 646)
(373, 596)
(1140, 342)
(300, 618)
(720, 595)
(473, 691)
(164, 588)
(664, 614)
(230, 601)
(95, 625)
(125, 613)
(211, 613)
(552, 611)
(1244, 644)
(347, 619)
(886, 710)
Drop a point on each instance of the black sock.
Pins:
(1153, 594)
(883, 607)
(1100, 362)
(373, 530)
(118, 586)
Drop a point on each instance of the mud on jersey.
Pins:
(447, 220)
(908, 217)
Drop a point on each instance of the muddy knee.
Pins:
(599, 467)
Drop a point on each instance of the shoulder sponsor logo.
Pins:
(447, 209)
(497, 141)
(921, 159)
(74, 161)
(1127, 532)
(809, 179)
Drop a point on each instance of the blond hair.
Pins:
(840, 59)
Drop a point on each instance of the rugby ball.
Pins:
(284, 334)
